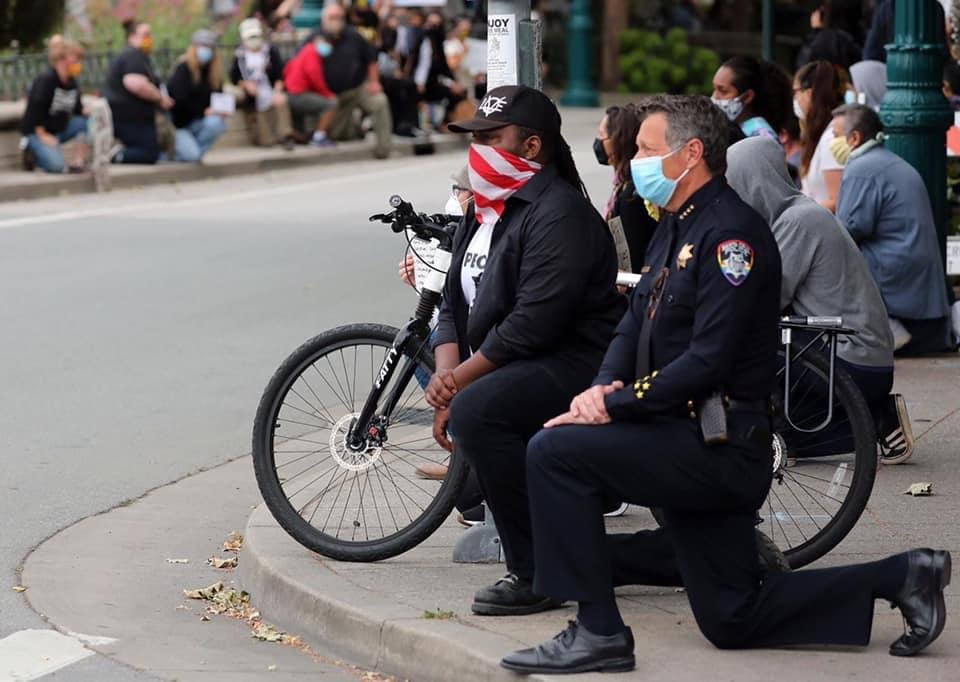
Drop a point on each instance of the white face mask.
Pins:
(453, 206)
(731, 107)
(797, 111)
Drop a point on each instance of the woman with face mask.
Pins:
(755, 95)
(818, 89)
(54, 113)
(630, 223)
(197, 75)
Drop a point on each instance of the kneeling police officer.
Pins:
(678, 418)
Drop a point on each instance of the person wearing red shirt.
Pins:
(308, 92)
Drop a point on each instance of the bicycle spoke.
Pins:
(317, 499)
(346, 502)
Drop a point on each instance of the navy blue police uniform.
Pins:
(709, 300)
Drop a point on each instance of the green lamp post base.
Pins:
(580, 91)
(309, 15)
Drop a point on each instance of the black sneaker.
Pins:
(511, 596)
(471, 517)
(894, 432)
(28, 159)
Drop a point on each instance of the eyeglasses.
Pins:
(456, 189)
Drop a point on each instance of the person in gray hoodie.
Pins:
(824, 274)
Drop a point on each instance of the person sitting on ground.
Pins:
(885, 206)
(431, 72)
(529, 304)
(818, 90)
(54, 113)
(352, 73)
(197, 76)
(308, 94)
(630, 222)
(257, 71)
(824, 275)
(133, 91)
(755, 94)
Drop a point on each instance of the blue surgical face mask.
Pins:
(324, 49)
(651, 183)
(204, 54)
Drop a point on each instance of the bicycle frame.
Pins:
(410, 341)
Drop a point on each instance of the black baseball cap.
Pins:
(513, 105)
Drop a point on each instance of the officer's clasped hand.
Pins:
(441, 390)
(588, 408)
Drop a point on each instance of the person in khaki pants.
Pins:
(257, 73)
(352, 73)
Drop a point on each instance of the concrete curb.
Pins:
(34, 187)
(298, 592)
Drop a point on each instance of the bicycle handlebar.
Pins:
(403, 217)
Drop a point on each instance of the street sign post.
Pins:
(513, 45)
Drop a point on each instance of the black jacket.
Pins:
(191, 98)
(716, 324)
(549, 283)
(638, 226)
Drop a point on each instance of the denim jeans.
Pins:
(50, 158)
(195, 140)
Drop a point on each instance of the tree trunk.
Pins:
(615, 20)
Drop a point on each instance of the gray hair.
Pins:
(862, 119)
(693, 118)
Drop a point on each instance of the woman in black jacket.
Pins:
(625, 212)
(198, 75)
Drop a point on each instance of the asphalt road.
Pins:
(139, 328)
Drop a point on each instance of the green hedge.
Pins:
(651, 63)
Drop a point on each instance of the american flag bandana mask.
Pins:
(495, 176)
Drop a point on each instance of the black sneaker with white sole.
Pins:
(511, 596)
(894, 432)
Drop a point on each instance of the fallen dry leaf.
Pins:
(217, 562)
(234, 542)
(266, 633)
(919, 490)
(178, 561)
(205, 592)
(204, 618)
(19, 588)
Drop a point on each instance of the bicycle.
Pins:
(335, 464)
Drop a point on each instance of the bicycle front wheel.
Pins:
(346, 503)
(821, 479)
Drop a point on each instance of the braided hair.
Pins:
(558, 152)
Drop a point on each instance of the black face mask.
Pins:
(598, 149)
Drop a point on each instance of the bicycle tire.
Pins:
(269, 480)
(865, 461)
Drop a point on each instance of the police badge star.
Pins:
(686, 253)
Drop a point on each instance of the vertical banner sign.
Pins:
(502, 38)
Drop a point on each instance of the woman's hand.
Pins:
(440, 420)
(406, 271)
(442, 389)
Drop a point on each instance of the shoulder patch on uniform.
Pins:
(735, 258)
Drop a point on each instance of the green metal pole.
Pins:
(768, 30)
(309, 15)
(580, 90)
(915, 112)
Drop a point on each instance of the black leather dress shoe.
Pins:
(921, 600)
(575, 650)
(511, 596)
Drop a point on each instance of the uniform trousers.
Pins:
(491, 422)
(709, 496)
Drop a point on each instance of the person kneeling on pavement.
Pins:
(257, 73)
(824, 275)
(54, 113)
(197, 76)
(530, 303)
(678, 418)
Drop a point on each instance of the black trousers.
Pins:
(709, 496)
(139, 140)
(491, 422)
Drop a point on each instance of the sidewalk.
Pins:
(219, 163)
(373, 614)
